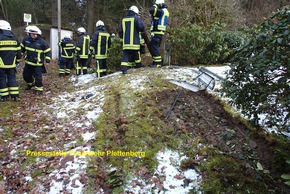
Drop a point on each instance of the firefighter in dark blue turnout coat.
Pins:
(67, 47)
(100, 43)
(82, 51)
(36, 54)
(129, 31)
(10, 55)
(160, 17)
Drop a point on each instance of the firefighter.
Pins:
(36, 54)
(67, 47)
(160, 15)
(101, 42)
(82, 51)
(10, 55)
(129, 31)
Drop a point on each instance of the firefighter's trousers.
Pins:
(8, 83)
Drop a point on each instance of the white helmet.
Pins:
(159, 2)
(81, 30)
(4, 25)
(34, 30)
(100, 23)
(67, 35)
(27, 29)
(134, 8)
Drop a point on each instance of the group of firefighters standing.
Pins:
(37, 54)
(82, 49)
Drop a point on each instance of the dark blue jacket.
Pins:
(129, 30)
(100, 43)
(68, 47)
(10, 53)
(83, 46)
(35, 51)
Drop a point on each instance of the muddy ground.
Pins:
(202, 115)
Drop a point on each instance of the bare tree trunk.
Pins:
(35, 16)
(3, 10)
(90, 10)
(54, 20)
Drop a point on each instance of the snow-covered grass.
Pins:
(68, 177)
(81, 107)
(173, 179)
(89, 98)
(67, 106)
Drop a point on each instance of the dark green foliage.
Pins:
(258, 81)
(234, 40)
(286, 177)
(204, 44)
(115, 55)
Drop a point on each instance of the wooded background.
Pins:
(75, 13)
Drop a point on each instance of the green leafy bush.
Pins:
(286, 177)
(258, 82)
(193, 44)
(234, 40)
(115, 55)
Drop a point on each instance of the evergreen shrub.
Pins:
(115, 55)
(195, 44)
(259, 80)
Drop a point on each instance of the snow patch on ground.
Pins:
(67, 106)
(173, 180)
(67, 178)
(88, 136)
(169, 162)
(182, 74)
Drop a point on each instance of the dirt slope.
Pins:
(201, 115)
